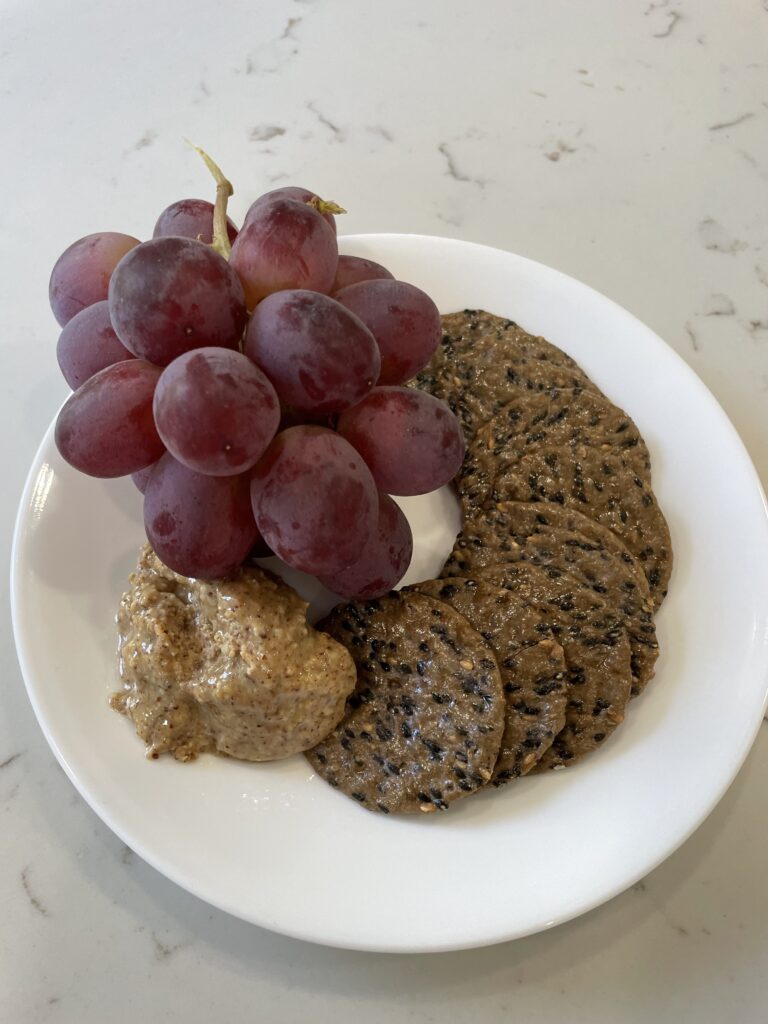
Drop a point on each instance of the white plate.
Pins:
(273, 844)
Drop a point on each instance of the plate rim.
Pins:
(178, 878)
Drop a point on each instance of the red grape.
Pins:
(198, 525)
(320, 357)
(81, 274)
(171, 295)
(404, 321)
(87, 344)
(353, 269)
(106, 427)
(215, 411)
(314, 500)
(284, 244)
(411, 442)
(384, 561)
(141, 477)
(190, 218)
(301, 195)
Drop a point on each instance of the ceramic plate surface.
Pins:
(274, 844)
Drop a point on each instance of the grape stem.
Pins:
(224, 190)
(325, 205)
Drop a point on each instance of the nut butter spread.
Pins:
(229, 666)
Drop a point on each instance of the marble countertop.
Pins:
(625, 144)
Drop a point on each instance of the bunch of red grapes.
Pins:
(256, 401)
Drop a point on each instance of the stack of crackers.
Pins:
(523, 656)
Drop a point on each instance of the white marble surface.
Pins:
(624, 143)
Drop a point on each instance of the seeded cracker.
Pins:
(424, 724)
(484, 360)
(597, 654)
(532, 669)
(549, 534)
(556, 421)
(604, 488)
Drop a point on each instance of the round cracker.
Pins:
(596, 648)
(424, 725)
(549, 534)
(556, 421)
(484, 359)
(533, 670)
(603, 488)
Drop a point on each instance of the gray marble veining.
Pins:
(624, 143)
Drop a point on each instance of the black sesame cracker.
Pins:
(563, 422)
(413, 740)
(550, 534)
(577, 450)
(533, 670)
(602, 487)
(596, 648)
(484, 359)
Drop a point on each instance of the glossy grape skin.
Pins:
(87, 344)
(296, 192)
(106, 427)
(354, 269)
(190, 218)
(284, 244)
(411, 442)
(314, 500)
(81, 274)
(215, 411)
(141, 477)
(320, 357)
(199, 526)
(404, 321)
(171, 295)
(384, 561)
